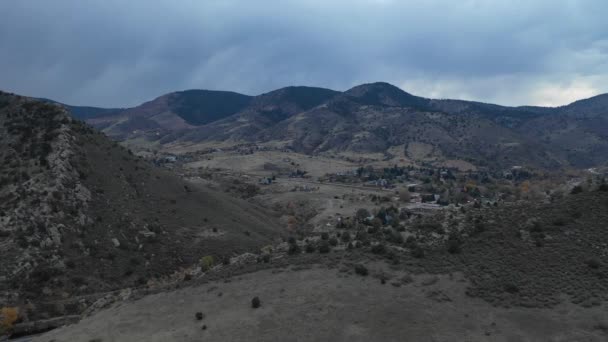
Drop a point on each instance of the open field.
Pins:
(323, 304)
(269, 162)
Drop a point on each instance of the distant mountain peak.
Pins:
(374, 87)
(199, 107)
(385, 94)
(592, 107)
(301, 96)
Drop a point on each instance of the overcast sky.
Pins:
(117, 53)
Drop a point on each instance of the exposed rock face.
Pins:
(42, 194)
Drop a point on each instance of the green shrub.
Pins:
(206, 262)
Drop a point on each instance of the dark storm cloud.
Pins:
(119, 53)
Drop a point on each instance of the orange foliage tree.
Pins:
(8, 317)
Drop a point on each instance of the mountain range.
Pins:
(85, 223)
(370, 118)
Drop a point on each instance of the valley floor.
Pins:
(318, 303)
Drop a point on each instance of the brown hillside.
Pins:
(80, 214)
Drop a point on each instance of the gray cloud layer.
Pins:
(120, 53)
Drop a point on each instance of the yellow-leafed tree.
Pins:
(8, 317)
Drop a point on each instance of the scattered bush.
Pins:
(453, 246)
(361, 270)
(362, 214)
(376, 223)
(576, 190)
(479, 227)
(255, 302)
(199, 316)
(345, 237)
(593, 263)
(536, 228)
(410, 242)
(310, 248)
(293, 249)
(418, 252)
(511, 288)
(324, 248)
(206, 262)
(378, 249)
(226, 260)
(394, 237)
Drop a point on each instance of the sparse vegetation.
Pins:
(256, 303)
(484, 222)
(206, 262)
(593, 263)
(324, 247)
(417, 252)
(361, 270)
(576, 190)
(378, 249)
